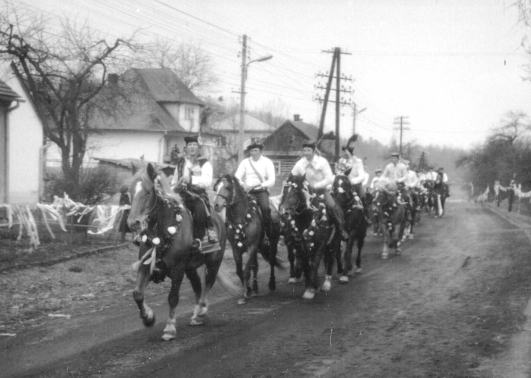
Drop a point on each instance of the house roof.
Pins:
(6, 92)
(232, 122)
(165, 86)
(311, 131)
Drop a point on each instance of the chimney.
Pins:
(297, 117)
(112, 78)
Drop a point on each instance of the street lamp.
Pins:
(245, 66)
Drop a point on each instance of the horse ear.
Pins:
(151, 173)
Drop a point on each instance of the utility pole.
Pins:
(242, 97)
(336, 65)
(402, 123)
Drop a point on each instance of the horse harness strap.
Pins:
(237, 230)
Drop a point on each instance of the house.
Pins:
(284, 145)
(229, 127)
(21, 143)
(146, 114)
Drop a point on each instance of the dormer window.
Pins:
(189, 113)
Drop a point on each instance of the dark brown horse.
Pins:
(317, 236)
(355, 225)
(392, 218)
(246, 233)
(165, 232)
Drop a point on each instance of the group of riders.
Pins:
(193, 176)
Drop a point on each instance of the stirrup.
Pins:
(196, 244)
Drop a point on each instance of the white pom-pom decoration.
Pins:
(156, 241)
(172, 230)
(144, 238)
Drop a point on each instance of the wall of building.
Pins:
(25, 138)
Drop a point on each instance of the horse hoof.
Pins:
(308, 294)
(242, 301)
(398, 251)
(292, 280)
(343, 279)
(411, 236)
(272, 286)
(359, 270)
(167, 336)
(196, 322)
(385, 256)
(149, 321)
(203, 311)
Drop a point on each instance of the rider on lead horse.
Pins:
(357, 175)
(192, 177)
(257, 176)
(319, 176)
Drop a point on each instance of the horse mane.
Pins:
(237, 188)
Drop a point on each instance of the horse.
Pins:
(295, 218)
(317, 234)
(355, 225)
(246, 233)
(165, 241)
(392, 217)
(440, 193)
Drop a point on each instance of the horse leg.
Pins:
(291, 258)
(197, 286)
(329, 254)
(142, 280)
(347, 260)
(210, 272)
(238, 260)
(273, 250)
(254, 272)
(309, 292)
(176, 275)
(360, 244)
(386, 241)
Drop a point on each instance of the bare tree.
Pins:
(191, 63)
(63, 74)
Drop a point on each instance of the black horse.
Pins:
(392, 218)
(355, 225)
(246, 233)
(316, 237)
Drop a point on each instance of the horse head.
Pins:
(144, 198)
(292, 199)
(228, 192)
(342, 190)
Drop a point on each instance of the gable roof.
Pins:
(252, 124)
(309, 130)
(6, 93)
(164, 85)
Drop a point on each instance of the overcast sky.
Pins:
(453, 67)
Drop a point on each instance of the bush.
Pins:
(95, 184)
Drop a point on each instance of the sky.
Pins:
(453, 68)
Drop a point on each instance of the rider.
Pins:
(257, 176)
(192, 177)
(376, 180)
(318, 174)
(443, 178)
(357, 175)
(396, 173)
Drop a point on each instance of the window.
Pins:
(188, 113)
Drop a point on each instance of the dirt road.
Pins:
(453, 305)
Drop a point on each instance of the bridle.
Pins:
(230, 189)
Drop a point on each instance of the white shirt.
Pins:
(395, 173)
(248, 177)
(357, 173)
(200, 176)
(375, 182)
(318, 172)
(411, 179)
